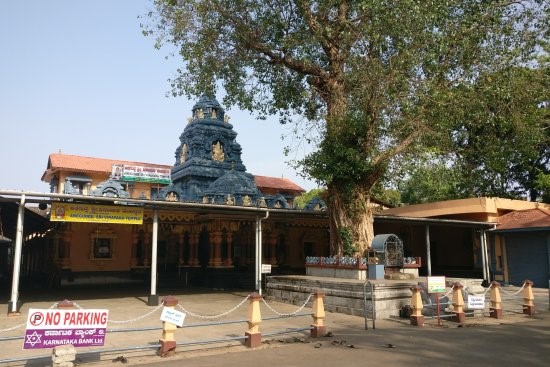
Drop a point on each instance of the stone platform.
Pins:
(348, 296)
(345, 296)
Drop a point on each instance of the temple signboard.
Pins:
(78, 212)
(134, 173)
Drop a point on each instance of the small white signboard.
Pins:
(172, 316)
(476, 302)
(266, 268)
(436, 284)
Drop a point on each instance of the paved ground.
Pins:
(481, 341)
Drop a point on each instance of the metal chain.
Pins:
(446, 294)
(513, 294)
(291, 313)
(139, 317)
(13, 327)
(77, 306)
(212, 316)
(23, 324)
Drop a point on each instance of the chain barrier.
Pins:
(208, 317)
(487, 290)
(13, 327)
(23, 324)
(447, 294)
(512, 294)
(291, 313)
(139, 317)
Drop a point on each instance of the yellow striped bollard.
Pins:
(495, 311)
(417, 319)
(528, 298)
(253, 335)
(318, 307)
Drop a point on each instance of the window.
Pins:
(102, 243)
(103, 248)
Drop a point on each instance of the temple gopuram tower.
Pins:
(208, 167)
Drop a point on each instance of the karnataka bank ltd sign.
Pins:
(76, 212)
(80, 328)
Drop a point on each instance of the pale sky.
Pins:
(78, 76)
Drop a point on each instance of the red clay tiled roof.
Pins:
(76, 163)
(67, 162)
(276, 183)
(519, 219)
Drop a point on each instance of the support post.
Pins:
(417, 319)
(318, 327)
(15, 304)
(483, 257)
(458, 303)
(495, 311)
(528, 298)
(253, 335)
(168, 341)
(428, 252)
(153, 299)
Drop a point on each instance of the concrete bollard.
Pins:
(65, 305)
(495, 311)
(63, 356)
(458, 303)
(528, 298)
(417, 319)
(168, 341)
(318, 327)
(253, 335)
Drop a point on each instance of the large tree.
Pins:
(498, 146)
(369, 74)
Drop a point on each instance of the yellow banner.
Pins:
(71, 212)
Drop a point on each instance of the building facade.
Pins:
(212, 242)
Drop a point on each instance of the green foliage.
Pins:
(542, 183)
(377, 80)
(430, 181)
(349, 248)
(497, 141)
(301, 201)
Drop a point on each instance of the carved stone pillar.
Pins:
(146, 249)
(250, 248)
(135, 239)
(272, 243)
(66, 246)
(228, 261)
(181, 260)
(216, 247)
(194, 249)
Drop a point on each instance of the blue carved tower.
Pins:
(208, 165)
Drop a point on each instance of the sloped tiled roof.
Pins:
(67, 162)
(276, 183)
(523, 219)
(76, 163)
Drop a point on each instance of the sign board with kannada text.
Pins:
(476, 302)
(91, 213)
(48, 328)
(436, 284)
(172, 316)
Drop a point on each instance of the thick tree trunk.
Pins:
(353, 213)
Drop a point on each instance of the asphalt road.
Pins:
(525, 343)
